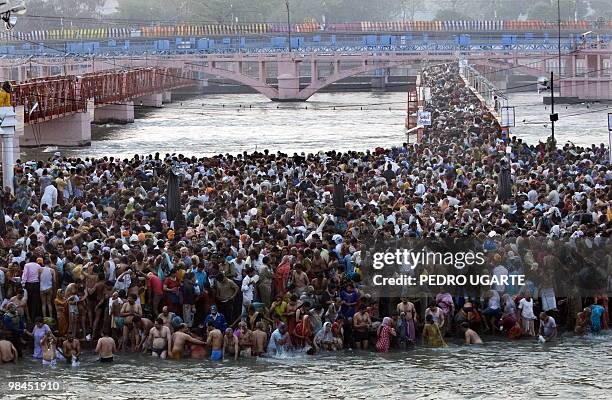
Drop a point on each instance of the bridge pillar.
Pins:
(167, 97)
(314, 72)
(72, 130)
(154, 100)
(288, 81)
(115, 113)
(263, 72)
(7, 136)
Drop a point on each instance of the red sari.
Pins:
(281, 276)
(304, 330)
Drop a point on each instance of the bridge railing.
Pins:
(44, 100)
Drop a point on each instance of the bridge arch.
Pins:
(313, 88)
(261, 87)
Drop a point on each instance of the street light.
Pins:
(8, 12)
(288, 23)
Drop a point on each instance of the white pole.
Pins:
(7, 133)
(610, 138)
(610, 146)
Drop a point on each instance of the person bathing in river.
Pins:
(245, 340)
(179, 339)
(214, 341)
(230, 344)
(106, 347)
(260, 339)
(71, 349)
(48, 344)
(548, 327)
(432, 337)
(8, 352)
(470, 335)
(159, 339)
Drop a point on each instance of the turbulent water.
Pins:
(235, 123)
(573, 368)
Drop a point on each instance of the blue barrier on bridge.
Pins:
(408, 41)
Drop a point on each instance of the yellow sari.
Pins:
(61, 308)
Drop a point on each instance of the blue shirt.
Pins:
(200, 278)
(218, 322)
(348, 311)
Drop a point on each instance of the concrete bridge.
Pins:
(277, 75)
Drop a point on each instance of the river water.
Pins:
(216, 124)
(570, 369)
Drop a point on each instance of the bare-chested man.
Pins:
(106, 348)
(20, 300)
(8, 352)
(361, 327)
(260, 339)
(300, 279)
(71, 349)
(159, 339)
(95, 295)
(215, 341)
(142, 326)
(230, 344)
(166, 316)
(471, 337)
(129, 311)
(245, 340)
(179, 339)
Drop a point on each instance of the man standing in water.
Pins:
(106, 347)
(361, 327)
(179, 339)
(8, 352)
(471, 337)
(260, 338)
(159, 339)
(71, 349)
(214, 341)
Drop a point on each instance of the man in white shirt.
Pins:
(49, 196)
(248, 288)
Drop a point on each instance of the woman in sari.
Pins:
(303, 333)
(281, 276)
(61, 308)
(325, 340)
(432, 336)
(290, 315)
(385, 331)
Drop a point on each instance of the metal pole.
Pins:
(553, 116)
(559, 38)
(288, 23)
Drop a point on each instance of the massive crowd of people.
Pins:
(256, 254)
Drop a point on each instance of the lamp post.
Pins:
(288, 23)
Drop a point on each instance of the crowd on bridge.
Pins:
(260, 254)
